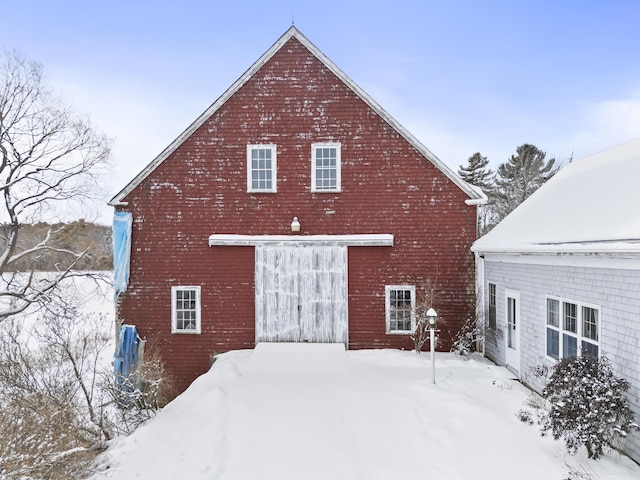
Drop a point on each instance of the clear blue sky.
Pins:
(461, 75)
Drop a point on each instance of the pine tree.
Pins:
(519, 177)
(476, 172)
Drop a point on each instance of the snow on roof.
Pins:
(591, 205)
(475, 196)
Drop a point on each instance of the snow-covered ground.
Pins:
(291, 411)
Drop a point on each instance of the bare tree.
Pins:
(49, 159)
(426, 298)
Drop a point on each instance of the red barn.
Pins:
(294, 209)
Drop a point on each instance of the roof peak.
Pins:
(294, 32)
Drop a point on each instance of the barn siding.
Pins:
(614, 290)
(294, 100)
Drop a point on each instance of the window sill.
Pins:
(185, 332)
(400, 332)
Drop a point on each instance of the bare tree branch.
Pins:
(48, 156)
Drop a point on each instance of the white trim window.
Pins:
(492, 306)
(325, 167)
(261, 168)
(573, 328)
(400, 308)
(185, 309)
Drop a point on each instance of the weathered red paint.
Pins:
(388, 186)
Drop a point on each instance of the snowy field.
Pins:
(292, 411)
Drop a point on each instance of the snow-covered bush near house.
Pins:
(468, 337)
(138, 397)
(586, 404)
(314, 411)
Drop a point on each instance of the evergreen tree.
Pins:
(476, 172)
(519, 177)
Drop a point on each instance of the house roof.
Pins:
(475, 196)
(590, 206)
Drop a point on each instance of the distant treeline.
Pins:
(78, 236)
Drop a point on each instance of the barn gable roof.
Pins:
(590, 206)
(475, 196)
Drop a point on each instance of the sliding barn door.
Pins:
(301, 293)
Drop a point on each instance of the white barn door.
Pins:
(301, 293)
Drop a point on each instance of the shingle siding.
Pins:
(388, 186)
(616, 291)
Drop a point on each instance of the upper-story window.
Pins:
(261, 168)
(325, 167)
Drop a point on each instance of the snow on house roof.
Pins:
(590, 206)
(475, 196)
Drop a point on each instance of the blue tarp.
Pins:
(126, 358)
(122, 222)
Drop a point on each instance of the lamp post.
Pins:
(432, 319)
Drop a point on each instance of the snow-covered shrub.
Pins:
(51, 420)
(525, 416)
(42, 438)
(421, 334)
(586, 405)
(466, 339)
(578, 472)
(426, 298)
(138, 397)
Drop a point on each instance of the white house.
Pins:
(561, 274)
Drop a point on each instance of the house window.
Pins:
(261, 168)
(185, 309)
(553, 328)
(492, 306)
(589, 331)
(325, 168)
(572, 329)
(401, 308)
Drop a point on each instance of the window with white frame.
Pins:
(492, 306)
(400, 308)
(185, 309)
(553, 328)
(572, 328)
(325, 167)
(590, 325)
(261, 168)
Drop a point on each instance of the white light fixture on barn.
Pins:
(295, 225)
(432, 320)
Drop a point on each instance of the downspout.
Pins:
(480, 301)
(479, 280)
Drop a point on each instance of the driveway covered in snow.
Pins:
(291, 411)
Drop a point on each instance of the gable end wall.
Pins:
(388, 187)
